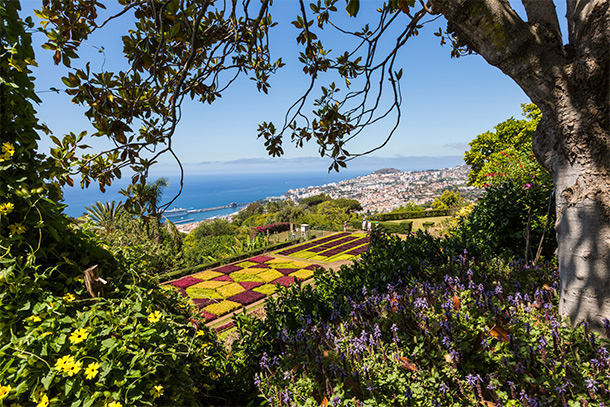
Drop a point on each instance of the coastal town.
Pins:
(389, 188)
(382, 190)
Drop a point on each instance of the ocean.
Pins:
(207, 191)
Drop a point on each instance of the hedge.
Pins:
(402, 227)
(171, 275)
(410, 215)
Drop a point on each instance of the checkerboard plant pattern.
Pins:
(224, 289)
(339, 246)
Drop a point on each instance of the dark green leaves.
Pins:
(352, 8)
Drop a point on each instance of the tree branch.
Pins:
(495, 31)
(542, 12)
(578, 14)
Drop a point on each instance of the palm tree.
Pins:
(105, 215)
(144, 200)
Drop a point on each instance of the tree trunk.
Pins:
(583, 238)
(580, 168)
(570, 85)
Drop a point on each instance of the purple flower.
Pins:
(264, 363)
(376, 332)
(591, 386)
(472, 379)
(528, 185)
(420, 303)
(286, 396)
(444, 388)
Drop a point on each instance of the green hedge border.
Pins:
(410, 215)
(402, 227)
(174, 274)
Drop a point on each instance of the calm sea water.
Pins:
(207, 191)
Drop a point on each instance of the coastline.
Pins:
(189, 227)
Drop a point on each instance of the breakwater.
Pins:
(216, 208)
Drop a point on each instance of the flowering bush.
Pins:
(135, 345)
(271, 228)
(418, 323)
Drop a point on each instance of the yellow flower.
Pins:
(6, 208)
(114, 404)
(79, 335)
(69, 297)
(17, 228)
(4, 390)
(73, 368)
(92, 370)
(44, 401)
(156, 391)
(45, 334)
(200, 332)
(34, 318)
(154, 317)
(63, 362)
(8, 150)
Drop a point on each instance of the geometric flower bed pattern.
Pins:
(224, 289)
(340, 246)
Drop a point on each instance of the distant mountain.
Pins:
(384, 171)
(311, 165)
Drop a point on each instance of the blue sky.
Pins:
(446, 102)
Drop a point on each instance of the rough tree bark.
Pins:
(570, 85)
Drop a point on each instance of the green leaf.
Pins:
(89, 402)
(46, 381)
(108, 343)
(352, 8)
(68, 387)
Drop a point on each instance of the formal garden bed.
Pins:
(224, 289)
(339, 246)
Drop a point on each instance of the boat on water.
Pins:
(176, 212)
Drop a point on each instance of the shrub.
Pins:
(137, 344)
(206, 249)
(271, 228)
(510, 217)
(402, 227)
(409, 215)
(463, 336)
(417, 322)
